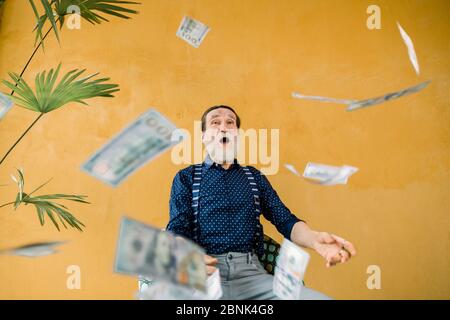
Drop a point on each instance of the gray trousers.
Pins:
(244, 278)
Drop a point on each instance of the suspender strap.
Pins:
(257, 206)
(196, 199)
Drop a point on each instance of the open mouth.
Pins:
(224, 140)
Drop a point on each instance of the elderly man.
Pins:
(218, 203)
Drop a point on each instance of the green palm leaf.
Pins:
(48, 97)
(46, 207)
(94, 11)
(39, 23)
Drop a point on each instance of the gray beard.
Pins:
(222, 155)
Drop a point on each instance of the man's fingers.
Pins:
(350, 248)
(338, 239)
(210, 270)
(327, 238)
(336, 259)
(210, 261)
(331, 263)
(331, 257)
(345, 244)
(345, 256)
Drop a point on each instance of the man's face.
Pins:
(220, 136)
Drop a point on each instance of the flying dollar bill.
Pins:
(143, 140)
(213, 286)
(359, 104)
(328, 175)
(35, 249)
(155, 290)
(192, 31)
(387, 97)
(410, 46)
(289, 271)
(292, 169)
(167, 291)
(322, 99)
(146, 251)
(5, 104)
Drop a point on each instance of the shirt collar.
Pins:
(209, 162)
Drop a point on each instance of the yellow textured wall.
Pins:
(395, 210)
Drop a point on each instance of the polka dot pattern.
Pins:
(225, 208)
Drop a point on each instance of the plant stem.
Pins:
(6, 204)
(12, 93)
(32, 55)
(23, 134)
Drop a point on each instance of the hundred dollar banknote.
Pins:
(146, 251)
(291, 168)
(5, 104)
(410, 46)
(166, 291)
(143, 140)
(328, 175)
(157, 290)
(192, 31)
(289, 271)
(34, 249)
(358, 104)
(322, 99)
(387, 97)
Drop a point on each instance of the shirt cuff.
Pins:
(289, 225)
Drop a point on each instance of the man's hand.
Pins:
(332, 248)
(210, 263)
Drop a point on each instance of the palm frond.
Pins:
(50, 16)
(39, 23)
(52, 209)
(93, 11)
(45, 205)
(48, 97)
(20, 180)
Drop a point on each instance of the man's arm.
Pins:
(180, 205)
(332, 248)
(273, 209)
(303, 235)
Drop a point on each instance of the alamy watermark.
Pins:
(254, 146)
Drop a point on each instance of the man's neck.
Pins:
(226, 166)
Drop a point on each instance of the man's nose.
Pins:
(223, 127)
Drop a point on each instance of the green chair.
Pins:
(271, 252)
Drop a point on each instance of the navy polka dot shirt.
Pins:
(226, 211)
